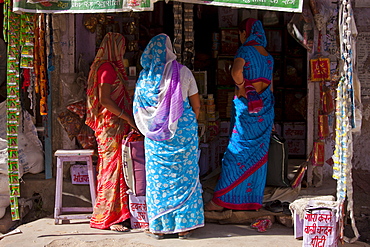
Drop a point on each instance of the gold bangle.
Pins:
(120, 114)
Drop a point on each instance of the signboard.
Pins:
(105, 6)
(278, 5)
(82, 6)
(319, 228)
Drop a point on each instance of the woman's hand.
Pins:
(132, 123)
(195, 104)
(237, 72)
(240, 92)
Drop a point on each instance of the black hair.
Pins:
(242, 25)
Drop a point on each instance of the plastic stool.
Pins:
(70, 156)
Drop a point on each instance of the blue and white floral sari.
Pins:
(167, 121)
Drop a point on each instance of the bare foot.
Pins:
(119, 228)
(157, 236)
(211, 206)
(185, 235)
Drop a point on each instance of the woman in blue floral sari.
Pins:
(166, 106)
(244, 166)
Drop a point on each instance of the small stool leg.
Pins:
(58, 190)
(92, 182)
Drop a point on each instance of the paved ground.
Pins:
(43, 232)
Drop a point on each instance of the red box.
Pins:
(224, 128)
(213, 128)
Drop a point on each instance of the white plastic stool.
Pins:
(70, 156)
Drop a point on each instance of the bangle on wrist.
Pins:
(238, 84)
(120, 114)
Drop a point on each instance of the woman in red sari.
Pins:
(109, 114)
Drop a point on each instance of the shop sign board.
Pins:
(82, 6)
(278, 5)
(105, 6)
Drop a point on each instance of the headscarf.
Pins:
(255, 33)
(111, 50)
(158, 101)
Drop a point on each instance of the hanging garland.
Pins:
(12, 35)
(342, 168)
(18, 33)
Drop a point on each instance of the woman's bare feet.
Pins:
(211, 206)
(157, 236)
(119, 228)
(185, 235)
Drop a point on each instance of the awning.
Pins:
(105, 6)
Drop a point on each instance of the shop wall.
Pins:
(361, 144)
(361, 159)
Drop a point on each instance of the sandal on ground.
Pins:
(286, 209)
(119, 228)
(157, 236)
(274, 206)
(185, 235)
(211, 206)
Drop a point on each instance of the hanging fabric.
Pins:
(41, 85)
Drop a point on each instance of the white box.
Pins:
(138, 210)
(298, 226)
(132, 71)
(79, 174)
(319, 227)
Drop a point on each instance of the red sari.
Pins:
(111, 206)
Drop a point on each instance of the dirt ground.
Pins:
(44, 232)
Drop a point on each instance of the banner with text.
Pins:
(278, 5)
(81, 6)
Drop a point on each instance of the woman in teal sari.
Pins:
(166, 106)
(244, 166)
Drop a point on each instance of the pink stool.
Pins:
(71, 156)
